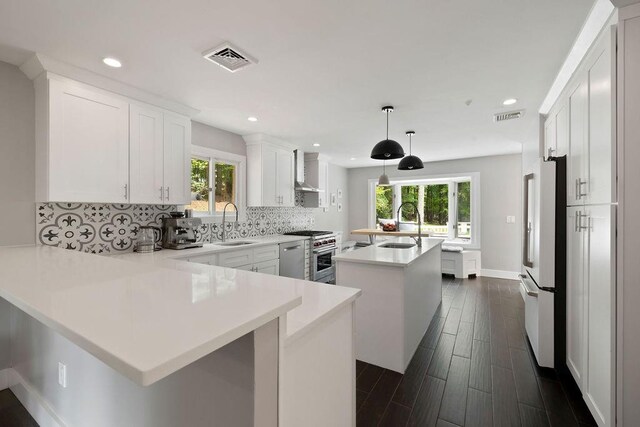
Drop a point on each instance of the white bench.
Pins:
(461, 264)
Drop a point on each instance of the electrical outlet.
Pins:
(62, 374)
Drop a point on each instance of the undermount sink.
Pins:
(240, 243)
(397, 245)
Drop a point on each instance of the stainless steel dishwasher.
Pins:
(292, 259)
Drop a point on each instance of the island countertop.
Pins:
(141, 319)
(375, 254)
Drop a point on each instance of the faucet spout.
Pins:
(224, 219)
(418, 240)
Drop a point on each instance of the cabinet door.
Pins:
(270, 173)
(550, 137)
(601, 156)
(576, 170)
(146, 155)
(88, 145)
(599, 311)
(323, 180)
(285, 178)
(235, 259)
(268, 267)
(575, 294)
(562, 130)
(177, 159)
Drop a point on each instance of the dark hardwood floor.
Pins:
(474, 367)
(12, 413)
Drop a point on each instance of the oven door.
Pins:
(322, 262)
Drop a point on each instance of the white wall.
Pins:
(218, 139)
(17, 157)
(500, 196)
(332, 220)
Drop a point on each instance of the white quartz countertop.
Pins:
(318, 300)
(211, 248)
(375, 254)
(143, 320)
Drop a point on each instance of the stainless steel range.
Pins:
(323, 248)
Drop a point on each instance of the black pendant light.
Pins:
(410, 162)
(387, 149)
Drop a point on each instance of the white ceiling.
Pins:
(325, 67)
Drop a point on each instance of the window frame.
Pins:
(212, 156)
(451, 179)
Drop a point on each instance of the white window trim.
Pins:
(241, 182)
(474, 177)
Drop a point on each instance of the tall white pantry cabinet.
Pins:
(97, 146)
(582, 126)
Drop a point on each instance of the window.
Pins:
(448, 206)
(216, 179)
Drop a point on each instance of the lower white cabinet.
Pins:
(263, 259)
(590, 306)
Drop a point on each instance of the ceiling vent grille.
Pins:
(511, 115)
(229, 57)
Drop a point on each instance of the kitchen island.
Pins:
(162, 342)
(401, 285)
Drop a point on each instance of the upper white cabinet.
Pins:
(177, 159)
(82, 152)
(270, 172)
(96, 146)
(591, 157)
(316, 174)
(146, 157)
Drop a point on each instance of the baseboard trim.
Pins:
(35, 404)
(6, 378)
(499, 274)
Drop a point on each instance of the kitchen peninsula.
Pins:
(166, 342)
(401, 285)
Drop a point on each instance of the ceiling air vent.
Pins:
(511, 115)
(229, 57)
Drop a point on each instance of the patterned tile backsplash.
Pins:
(109, 228)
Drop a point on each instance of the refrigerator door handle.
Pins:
(526, 261)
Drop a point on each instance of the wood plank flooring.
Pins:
(474, 367)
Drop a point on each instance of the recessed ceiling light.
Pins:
(316, 145)
(353, 158)
(112, 62)
(252, 119)
(509, 101)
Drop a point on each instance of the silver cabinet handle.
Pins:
(579, 226)
(579, 184)
(291, 248)
(161, 192)
(126, 191)
(167, 193)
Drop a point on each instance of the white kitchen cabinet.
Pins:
(550, 136)
(576, 181)
(146, 154)
(591, 156)
(599, 323)
(177, 159)
(562, 130)
(268, 267)
(270, 173)
(575, 294)
(266, 253)
(82, 148)
(97, 146)
(316, 171)
(590, 305)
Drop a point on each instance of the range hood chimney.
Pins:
(301, 185)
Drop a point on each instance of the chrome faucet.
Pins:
(415, 208)
(224, 220)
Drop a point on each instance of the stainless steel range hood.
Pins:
(301, 185)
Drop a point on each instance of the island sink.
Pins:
(398, 245)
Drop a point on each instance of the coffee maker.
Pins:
(179, 233)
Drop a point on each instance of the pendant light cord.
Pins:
(409, 144)
(387, 124)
